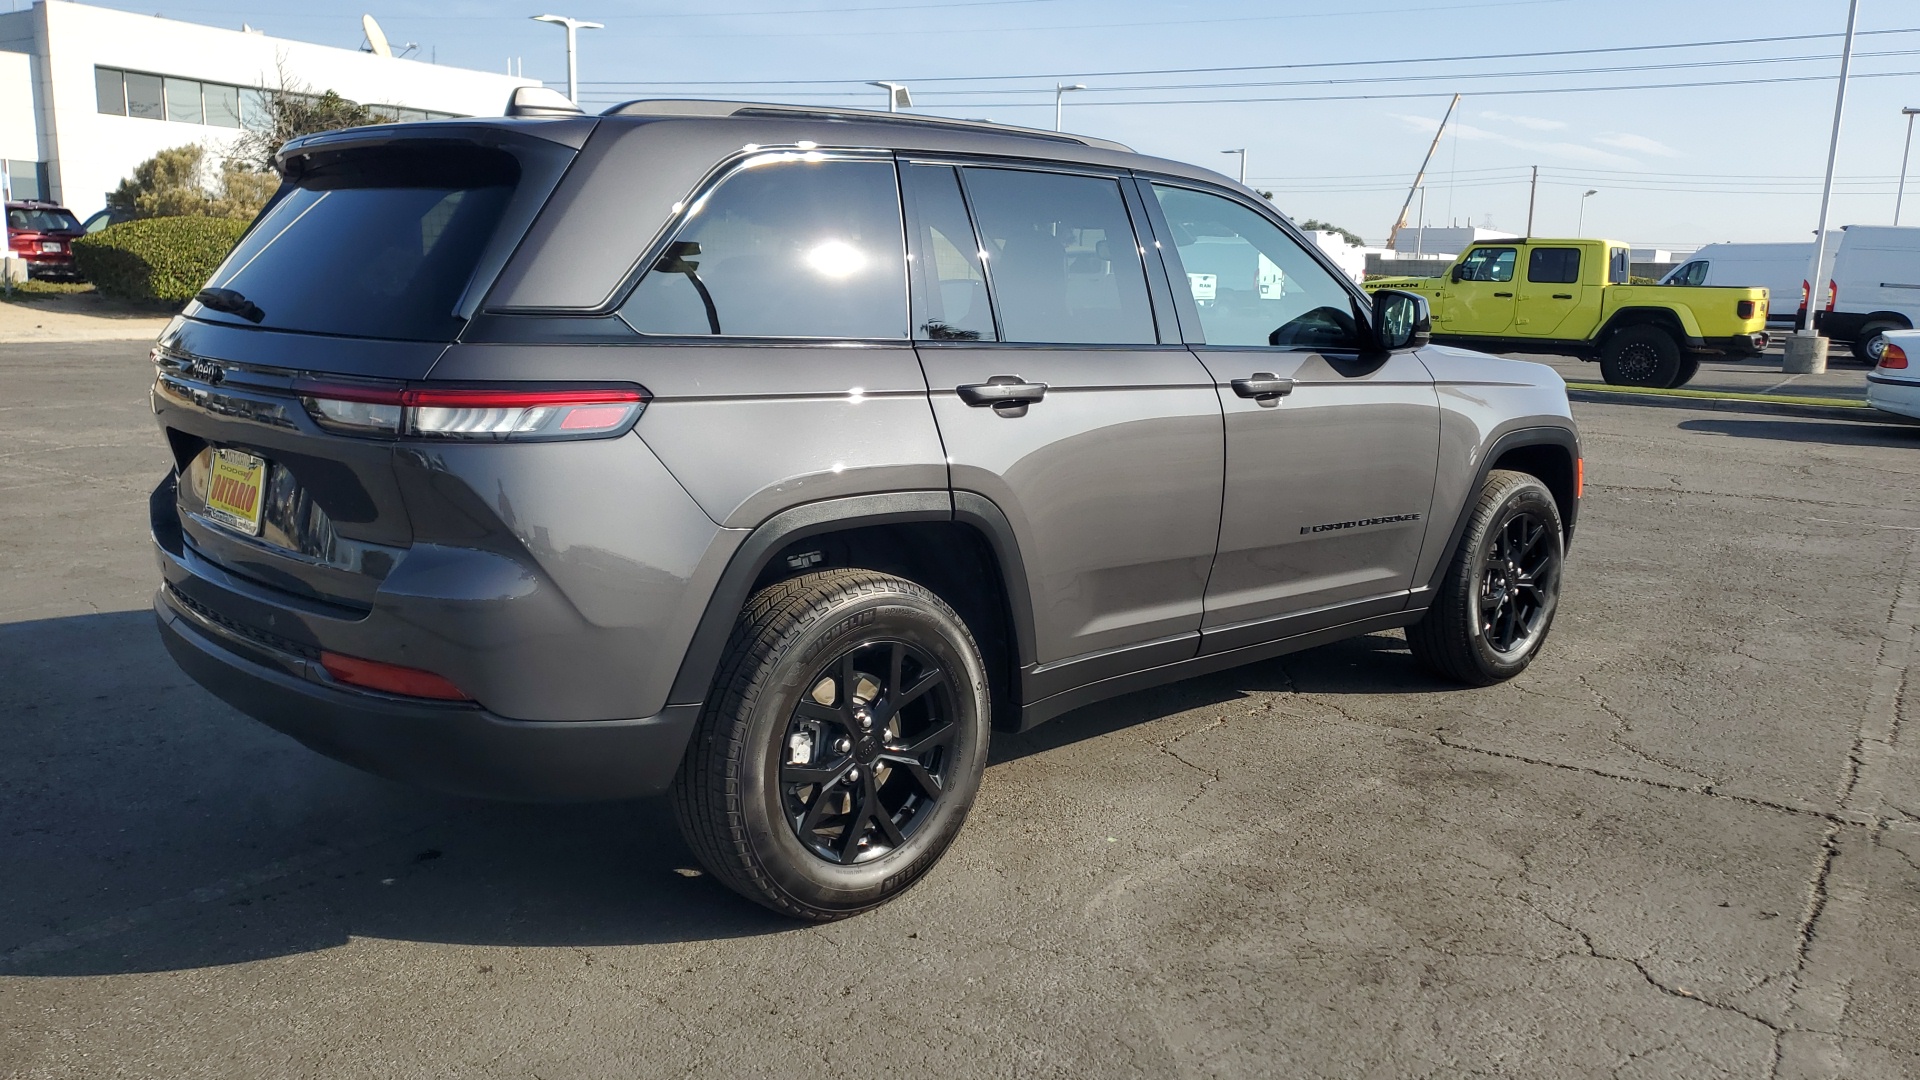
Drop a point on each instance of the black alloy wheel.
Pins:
(867, 750)
(1519, 584)
(1497, 599)
(1643, 355)
(840, 747)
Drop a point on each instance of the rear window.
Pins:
(31, 219)
(380, 245)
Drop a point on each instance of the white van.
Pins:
(1874, 287)
(1782, 268)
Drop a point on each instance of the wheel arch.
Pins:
(1665, 318)
(1886, 316)
(958, 544)
(1549, 453)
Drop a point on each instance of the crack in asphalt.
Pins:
(1623, 725)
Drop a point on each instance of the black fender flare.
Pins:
(1664, 318)
(1538, 435)
(766, 540)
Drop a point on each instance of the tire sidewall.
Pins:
(793, 666)
(1525, 496)
(1665, 368)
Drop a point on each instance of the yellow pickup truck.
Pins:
(1575, 297)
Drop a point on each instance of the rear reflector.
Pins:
(1893, 357)
(390, 678)
(468, 413)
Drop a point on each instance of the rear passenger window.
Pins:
(784, 248)
(950, 287)
(1553, 266)
(1062, 257)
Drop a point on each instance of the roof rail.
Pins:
(695, 107)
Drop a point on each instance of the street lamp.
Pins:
(1061, 90)
(897, 96)
(1900, 198)
(1581, 226)
(573, 27)
(1243, 163)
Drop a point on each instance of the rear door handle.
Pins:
(1563, 296)
(1264, 387)
(1503, 294)
(1008, 395)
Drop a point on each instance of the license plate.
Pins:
(234, 488)
(49, 245)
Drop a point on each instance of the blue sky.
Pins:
(1674, 166)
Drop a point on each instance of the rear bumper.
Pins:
(1897, 396)
(460, 749)
(1739, 344)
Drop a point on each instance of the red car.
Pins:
(43, 233)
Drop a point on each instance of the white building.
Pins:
(1433, 241)
(87, 93)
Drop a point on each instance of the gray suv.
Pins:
(769, 457)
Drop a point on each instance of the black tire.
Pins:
(1689, 367)
(1453, 640)
(1871, 340)
(743, 778)
(1640, 356)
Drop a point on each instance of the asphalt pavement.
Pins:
(1845, 378)
(1686, 843)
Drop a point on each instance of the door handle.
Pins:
(1008, 395)
(1264, 387)
(1563, 296)
(1503, 294)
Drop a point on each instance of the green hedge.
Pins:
(156, 260)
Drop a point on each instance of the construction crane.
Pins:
(1420, 177)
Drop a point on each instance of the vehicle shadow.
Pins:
(1841, 433)
(146, 827)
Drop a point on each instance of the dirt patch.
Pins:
(85, 316)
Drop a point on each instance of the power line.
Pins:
(1054, 76)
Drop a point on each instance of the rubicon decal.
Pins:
(1359, 524)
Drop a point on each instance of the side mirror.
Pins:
(1457, 274)
(1401, 320)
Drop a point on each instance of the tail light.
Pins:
(1743, 309)
(1893, 357)
(487, 415)
(390, 678)
(1805, 291)
(1833, 294)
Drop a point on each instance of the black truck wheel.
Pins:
(1689, 367)
(1501, 589)
(841, 745)
(1640, 356)
(1872, 341)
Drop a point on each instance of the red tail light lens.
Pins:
(1833, 294)
(390, 678)
(1743, 309)
(1893, 357)
(479, 414)
(1805, 291)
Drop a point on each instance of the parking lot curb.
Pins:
(1865, 414)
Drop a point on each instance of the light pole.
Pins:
(1806, 350)
(1060, 91)
(1904, 154)
(1581, 227)
(574, 26)
(1243, 163)
(897, 96)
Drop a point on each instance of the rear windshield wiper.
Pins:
(231, 302)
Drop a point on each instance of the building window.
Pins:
(183, 101)
(110, 87)
(27, 179)
(223, 105)
(144, 98)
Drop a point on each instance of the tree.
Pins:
(291, 111)
(1310, 225)
(175, 183)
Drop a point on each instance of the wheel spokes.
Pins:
(914, 768)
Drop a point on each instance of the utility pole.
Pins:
(1421, 176)
(1806, 349)
(1908, 152)
(574, 26)
(1060, 91)
(1243, 163)
(1533, 192)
